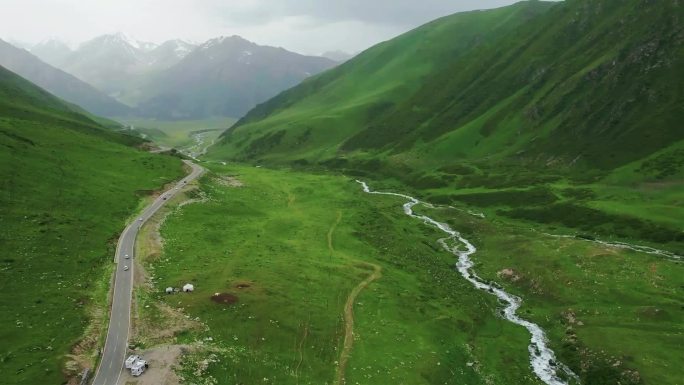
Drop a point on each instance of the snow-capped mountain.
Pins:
(113, 62)
(146, 46)
(122, 38)
(107, 61)
(225, 76)
(169, 53)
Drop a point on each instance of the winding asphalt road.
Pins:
(116, 345)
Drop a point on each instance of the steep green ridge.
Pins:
(583, 95)
(314, 120)
(67, 186)
(594, 83)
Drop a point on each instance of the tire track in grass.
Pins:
(331, 231)
(349, 307)
(300, 350)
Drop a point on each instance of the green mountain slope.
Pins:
(67, 186)
(584, 83)
(582, 99)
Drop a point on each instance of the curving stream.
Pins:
(542, 358)
(622, 245)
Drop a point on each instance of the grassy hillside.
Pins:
(314, 120)
(579, 95)
(584, 83)
(67, 187)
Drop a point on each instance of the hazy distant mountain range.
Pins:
(59, 82)
(52, 51)
(113, 63)
(226, 76)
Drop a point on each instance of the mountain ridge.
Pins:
(225, 76)
(58, 82)
(505, 99)
(175, 80)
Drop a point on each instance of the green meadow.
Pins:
(274, 261)
(613, 315)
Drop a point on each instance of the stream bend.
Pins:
(542, 358)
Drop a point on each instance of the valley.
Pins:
(265, 243)
(487, 197)
(190, 137)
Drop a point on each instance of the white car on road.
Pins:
(125, 268)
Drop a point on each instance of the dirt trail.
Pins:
(349, 307)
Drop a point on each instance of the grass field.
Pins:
(609, 311)
(286, 250)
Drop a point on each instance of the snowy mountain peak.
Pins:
(180, 47)
(121, 37)
(223, 39)
(147, 46)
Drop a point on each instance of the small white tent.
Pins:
(188, 288)
(169, 290)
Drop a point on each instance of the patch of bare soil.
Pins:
(242, 285)
(229, 181)
(84, 353)
(161, 361)
(161, 328)
(225, 298)
(509, 274)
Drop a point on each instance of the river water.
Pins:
(542, 358)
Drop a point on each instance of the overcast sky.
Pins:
(307, 26)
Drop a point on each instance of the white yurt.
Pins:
(169, 290)
(188, 288)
